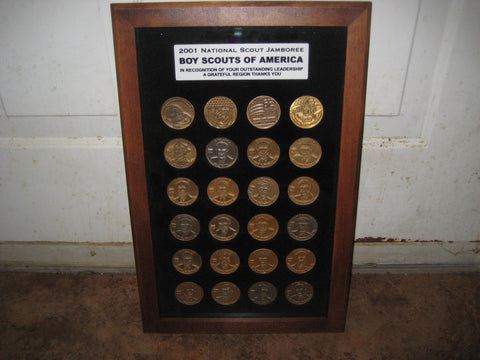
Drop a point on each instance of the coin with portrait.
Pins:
(263, 227)
(177, 113)
(300, 261)
(224, 261)
(180, 153)
(182, 191)
(305, 152)
(263, 152)
(226, 293)
(303, 190)
(262, 293)
(184, 227)
(302, 227)
(222, 191)
(189, 293)
(263, 112)
(187, 261)
(263, 261)
(221, 152)
(224, 227)
(220, 112)
(299, 292)
(263, 191)
(306, 112)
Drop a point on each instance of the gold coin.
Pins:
(222, 191)
(299, 292)
(182, 191)
(263, 227)
(303, 190)
(305, 152)
(302, 227)
(186, 261)
(177, 113)
(223, 227)
(220, 112)
(184, 227)
(263, 191)
(263, 261)
(224, 261)
(263, 112)
(306, 112)
(180, 153)
(300, 261)
(226, 293)
(188, 293)
(221, 152)
(262, 293)
(263, 152)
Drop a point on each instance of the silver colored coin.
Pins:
(262, 293)
(221, 152)
(302, 227)
(184, 227)
(263, 112)
(299, 292)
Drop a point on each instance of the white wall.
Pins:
(62, 185)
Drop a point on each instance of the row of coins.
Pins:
(263, 112)
(260, 261)
(262, 191)
(260, 293)
(261, 227)
(262, 152)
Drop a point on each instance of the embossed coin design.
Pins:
(220, 112)
(263, 112)
(305, 152)
(303, 190)
(180, 153)
(182, 191)
(263, 261)
(263, 191)
(186, 261)
(226, 293)
(262, 293)
(222, 191)
(188, 293)
(184, 227)
(221, 153)
(302, 227)
(263, 227)
(306, 112)
(223, 227)
(299, 292)
(263, 152)
(224, 261)
(300, 261)
(177, 113)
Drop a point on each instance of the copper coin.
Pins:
(182, 191)
(300, 261)
(180, 153)
(177, 113)
(184, 227)
(263, 112)
(263, 152)
(224, 261)
(222, 191)
(263, 191)
(221, 153)
(262, 293)
(223, 227)
(186, 261)
(302, 227)
(299, 292)
(226, 293)
(220, 112)
(188, 293)
(263, 261)
(305, 152)
(263, 227)
(303, 190)
(306, 112)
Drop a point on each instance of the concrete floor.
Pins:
(93, 316)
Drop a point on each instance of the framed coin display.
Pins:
(242, 127)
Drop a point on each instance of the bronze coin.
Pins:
(263, 152)
(188, 293)
(263, 112)
(263, 191)
(263, 261)
(262, 293)
(222, 191)
(305, 152)
(182, 191)
(177, 113)
(220, 112)
(300, 261)
(303, 190)
(299, 292)
(226, 293)
(263, 227)
(302, 227)
(184, 227)
(180, 153)
(224, 261)
(186, 261)
(221, 153)
(306, 112)
(223, 227)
